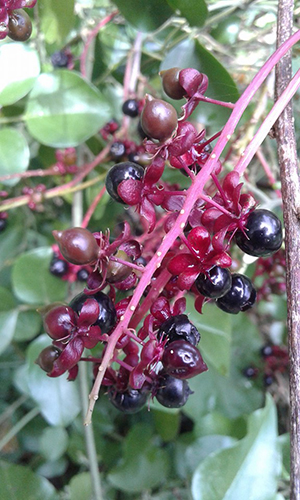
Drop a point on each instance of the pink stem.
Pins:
(268, 171)
(128, 264)
(92, 207)
(214, 101)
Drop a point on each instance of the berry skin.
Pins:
(117, 150)
(58, 267)
(268, 380)
(172, 392)
(82, 275)
(107, 313)
(266, 351)
(179, 328)
(182, 360)
(47, 357)
(158, 119)
(263, 234)
(122, 172)
(131, 108)
(215, 283)
(240, 297)
(59, 321)
(3, 224)
(170, 83)
(130, 401)
(59, 59)
(19, 25)
(250, 372)
(117, 271)
(77, 245)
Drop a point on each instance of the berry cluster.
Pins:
(154, 272)
(275, 360)
(14, 21)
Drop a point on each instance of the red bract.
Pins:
(203, 255)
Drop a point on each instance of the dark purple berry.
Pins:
(59, 322)
(172, 392)
(47, 357)
(19, 25)
(266, 351)
(121, 172)
(82, 275)
(58, 267)
(215, 283)
(3, 224)
(107, 313)
(77, 245)
(179, 328)
(130, 401)
(182, 360)
(59, 59)
(117, 150)
(131, 108)
(262, 234)
(250, 372)
(158, 119)
(268, 380)
(240, 297)
(170, 83)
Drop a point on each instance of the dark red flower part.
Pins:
(195, 85)
(68, 358)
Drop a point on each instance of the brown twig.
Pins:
(287, 155)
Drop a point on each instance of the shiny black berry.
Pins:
(268, 380)
(47, 357)
(121, 172)
(19, 25)
(58, 267)
(107, 314)
(263, 234)
(158, 119)
(117, 150)
(172, 392)
(215, 283)
(266, 351)
(182, 360)
(3, 224)
(250, 372)
(131, 108)
(130, 401)
(240, 297)
(179, 328)
(77, 245)
(82, 275)
(59, 59)
(170, 83)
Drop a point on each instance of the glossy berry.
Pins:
(3, 224)
(117, 271)
(107, 313)
(266, 351)
(130, 401)
(170, 83)
(47, 357)
(121, 172)
(240, 297)
(182, 360)
(59, 59)
(268, 380)
(82, 275)
(263, 234)
(131, 108)
(158, 119)
(250, 372)
(59, 322)
(77, 245)
(172, 392)
(215, 283)
(19, 25)
(58, 267)
(117, 150)
(179, 328)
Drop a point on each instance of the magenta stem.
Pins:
(214, 101)
(128, 264)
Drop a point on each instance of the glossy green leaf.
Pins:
(249, 469)
(8, 321)
(19, 482)
(195, 11)
(57, 435)
(32, 281)
(7, 300)
(145, 16)
(80, 486)
(28, 325)
(64, 110)
(144, 465)
(20, 67)
(57, 19)
(10, 242)
(57, 398)
(215, 329)
(14, 154)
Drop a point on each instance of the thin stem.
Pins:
(267, 170)
(128, 264)
(19, 426)
(92, 207)
(225, 104)
(12, 408)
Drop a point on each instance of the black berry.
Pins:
(121, 172)
(172, 392)
(268, 380)
(263, 234)
(131, 108)
(240, 297)
(179, 328)
(107, 313)
(266, 351)
(58, 267)
(158, 119)
(3, 224)
(59, 59)
(117, 150)
(82, 274)
(130, 401)
(19, 25)
(250, 372)
(215, 283)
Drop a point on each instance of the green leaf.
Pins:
(8, 321)
(80, 486)
(144, 465)
(57, 19)
(20, 67)
(64, 110)
(166, 424)
(57, 435)
(249, 469)
(28, 325)
(195, 11)
(10, 242)
(57, 398)
(215, 328)
(17, 481)
(32, 281)
(145, 16)
(14, 154)
(7, 300)
(191, 54)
